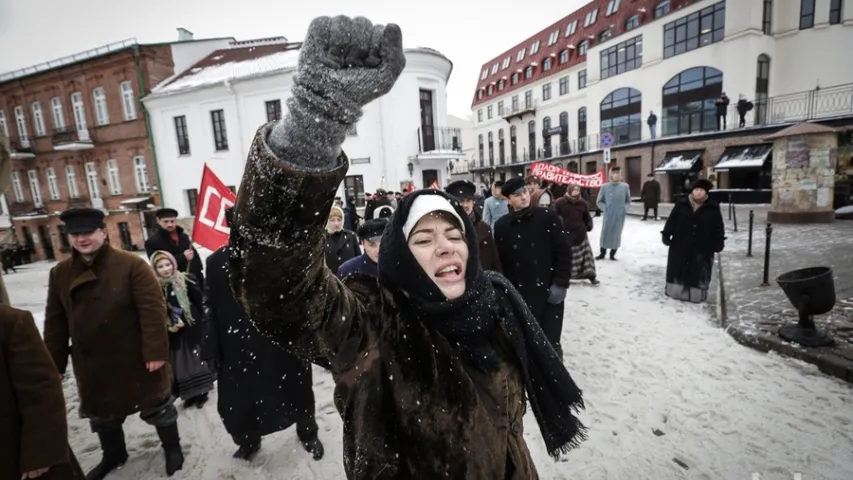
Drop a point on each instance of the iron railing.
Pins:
(518, 110)
(443, 139)
(65, 135)
(21, 144)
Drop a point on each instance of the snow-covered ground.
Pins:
(663, 387)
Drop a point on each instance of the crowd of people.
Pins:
(439, 314)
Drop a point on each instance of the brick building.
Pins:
(80, 138)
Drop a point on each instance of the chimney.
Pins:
(184, 34)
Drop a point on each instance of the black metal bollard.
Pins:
(734, 217)
(751, 222)
(768, 234)
(730, 206)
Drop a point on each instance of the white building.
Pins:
(604, 67)
(211, 112)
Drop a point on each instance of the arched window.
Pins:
(528, 72)
(564, 134)
(689, 101)
(482, 157)
(582, 48)
(546, 136)
(762, 88)
(491, 148)
(582, 146)
(501, 158)
(513, 145)
(531, 139)
(621, 115)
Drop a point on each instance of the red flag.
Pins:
(435, 185)
(555, 174)
(209, 228)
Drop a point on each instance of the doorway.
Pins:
(149, 221)
(124, 233)
(635, 175)
(430, 177)
(46, 243)
(427, 124)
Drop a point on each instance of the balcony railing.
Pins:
(21, 208)
(439, 139)
(79, 202)
(72, 138)
(21, 147)
(519, 110)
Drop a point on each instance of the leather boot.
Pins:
(613, 254)
(115, 454)
(249, 445)
(171, 447)
(602, 254)
(315, 447)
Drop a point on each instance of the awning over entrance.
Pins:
(752, 156)
(135, 201)
(680, 162)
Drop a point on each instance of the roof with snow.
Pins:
(241, 60)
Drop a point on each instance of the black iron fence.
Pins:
(20, 145)
(445, 139)
(70, 134)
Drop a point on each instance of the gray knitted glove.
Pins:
(344, 64)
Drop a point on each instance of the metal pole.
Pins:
(768, 234)
(734, 215)
(730, 206)
(751, 222)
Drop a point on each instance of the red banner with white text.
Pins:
(210, 229)
(555, 174)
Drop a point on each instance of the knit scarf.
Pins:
(177, 283)
(468, 321)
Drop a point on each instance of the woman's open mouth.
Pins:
(450, 272)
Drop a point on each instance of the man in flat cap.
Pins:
(171, 238)
(108, 304)
(536, 256)
(464, 191)
(370, 235)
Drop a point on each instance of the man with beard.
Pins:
(370, 235)
(536, 256)
(464, 191)
(262, 388)
(171, 238)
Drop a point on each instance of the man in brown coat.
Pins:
(109, 304)
(651, 196)
(34, 428)
(464, 192)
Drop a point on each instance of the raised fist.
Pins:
(345, 63)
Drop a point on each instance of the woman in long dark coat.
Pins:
(341, 244)
(694, 232)
(577, 222)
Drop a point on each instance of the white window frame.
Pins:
(535, 47)
(113, 177)
(21, 123)
(128, 100)
(92, 180)
(553, 38)
(99, 97)
(71, 179)
(521, 54)
(583, 47)
(79, 111)
(38, 119)
(140, 169)
(571, 28)
(52, 184)
(35, 189)
(506, 63)
(3, 126)
(495, 68)
(612, 8)
(58, 117)
(484, 74)
(591, 17)
(16, 187)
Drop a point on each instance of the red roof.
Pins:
(615, 22)
(237, 53)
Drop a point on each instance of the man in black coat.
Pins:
(374, 207)
(262, 388)
(171, 238)
(536, 256)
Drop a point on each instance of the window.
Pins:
(591, 17)
(582, 143)
(513, 145)
(835, 8)
(140, 171)
(622, 57)
(534, 48)
(71, 178)
(494, 68)
(113, 177)
(16, 186)
(806, 14)
(501, 158)
(662, 9)
(571, 28)
(604, 36)
(564, 134)
(58, 117)
(480, 115)
(92, 180)
(490, 90)
(528, 99)
(546, 137)
(632, 22)
(481, 152)
(480, 94)
(128, 100)
(552, 39)
(491, 148)
(767, 19)
(514, 78)
(500, 108)
(3, 127)
(21, 123)
(101, 112)
(612, 7)
(273, 108)
(582, 79)
(506, 63)
(38, 120)
(564, 56)
(489, 113)
(689, 101)
(528, 73)
(220, 135)
(52, 184)
(546, 91)
(352, 130)
(762, 87)
(484, 74)
(546, 64)
(531, 138)
(520, 55)
(182, 135)
(192, 200)
(564, 85)
(694, 31)
(79, 111)
(514, 103)
(582, 49)
(621, 113)
(354, 188)
(501, 84)
(32, 175)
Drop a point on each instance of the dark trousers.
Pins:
(551, 322)
(161, 415)
(721, 121)
(646, 213)
(742, 119)
(306, 430)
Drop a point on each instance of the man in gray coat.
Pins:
(613, 200)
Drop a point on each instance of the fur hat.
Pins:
(703, 184)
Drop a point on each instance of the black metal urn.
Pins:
(812, 292)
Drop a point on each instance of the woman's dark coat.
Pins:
(189, 334)
(162, 240)
(576, 218)
(262, 388)
(340, 247)
(651, 194)
(410, 407)
(693, 239)
(489, 258)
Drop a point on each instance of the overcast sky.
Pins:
(468, 32)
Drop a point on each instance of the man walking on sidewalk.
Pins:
(650, 195)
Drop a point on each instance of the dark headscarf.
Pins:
(468, 321)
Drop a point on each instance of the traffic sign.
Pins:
(606, 140)
(606, 156)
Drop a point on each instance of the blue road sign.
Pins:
(606, 140)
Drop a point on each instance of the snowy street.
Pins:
(669, 396)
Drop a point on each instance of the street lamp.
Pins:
(450, 166)
(411, 169)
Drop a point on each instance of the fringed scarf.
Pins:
(178, 284)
